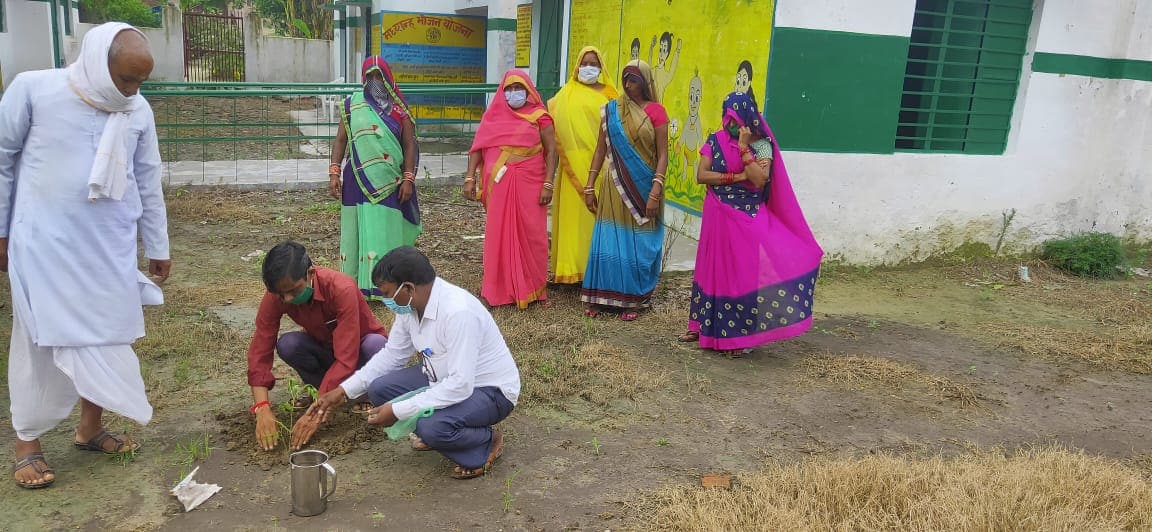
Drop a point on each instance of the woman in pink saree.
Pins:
(757, 261)
(511, 171)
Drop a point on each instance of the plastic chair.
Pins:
(329, 102)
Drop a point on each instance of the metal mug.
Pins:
(310, 489)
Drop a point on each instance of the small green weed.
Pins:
(319, 208)
(663, 442)
(508, 499)
(595, 443)
(197, 448)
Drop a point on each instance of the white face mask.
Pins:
(516, 98)
(589, 74)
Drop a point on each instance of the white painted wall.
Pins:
(1116, 28)
(877, 17)
(501, 44)
(27, 43)
(1079, 160)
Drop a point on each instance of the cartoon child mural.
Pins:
(693, 130)
(685, 144)
(744, 80)
(636, 50)
(662, 70)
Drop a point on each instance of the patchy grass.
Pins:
(1109, 324)
(868, 371)
(1042, 489)
(1056, 317)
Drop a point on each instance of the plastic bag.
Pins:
(402, 428)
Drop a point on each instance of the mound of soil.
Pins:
(345, 433)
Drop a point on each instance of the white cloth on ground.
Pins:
(90, 78)
(468, 352)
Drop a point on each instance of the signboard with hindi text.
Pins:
(523, 36)
(434, 48)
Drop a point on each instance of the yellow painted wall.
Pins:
(695, 66)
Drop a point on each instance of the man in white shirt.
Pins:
(472, 381)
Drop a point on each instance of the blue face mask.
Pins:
(400, 310)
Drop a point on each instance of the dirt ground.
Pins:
(933, 360)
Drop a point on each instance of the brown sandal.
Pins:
(97, 444)
(34, 460)
(417, 443)
(689, 336)
(734, 354)
(497, 451)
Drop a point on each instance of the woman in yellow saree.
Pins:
(576, 111)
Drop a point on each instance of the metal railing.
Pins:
(253, 128)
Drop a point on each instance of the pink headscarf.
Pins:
(502, 125)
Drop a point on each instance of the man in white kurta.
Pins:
(79, 180)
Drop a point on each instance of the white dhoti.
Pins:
(46, 382)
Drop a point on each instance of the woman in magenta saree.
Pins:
(757, 261)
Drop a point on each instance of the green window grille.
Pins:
(964, 62)
(3, 26)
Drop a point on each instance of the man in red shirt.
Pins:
(340, 332)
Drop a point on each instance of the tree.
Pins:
(134, 12)
(297, 18)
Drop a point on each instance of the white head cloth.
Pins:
(90, 78)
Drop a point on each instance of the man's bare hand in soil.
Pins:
(305, 427)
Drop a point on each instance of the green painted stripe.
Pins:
(1095, 67)
(501, 24)
(835, 92)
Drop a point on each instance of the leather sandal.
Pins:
(97, 444)
(34, 460)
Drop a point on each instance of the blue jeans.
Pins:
(461, 432)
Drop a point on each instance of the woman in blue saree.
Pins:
(628, 238)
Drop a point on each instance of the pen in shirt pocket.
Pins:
(331, 324)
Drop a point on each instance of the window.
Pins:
(964, 62)
(3, 26)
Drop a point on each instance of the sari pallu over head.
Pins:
(755, 268)
(374, 122)
(724, 151)
(576, 110)
(779, 196)
(513, 131)
(632, 150)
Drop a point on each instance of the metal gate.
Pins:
(213, 47)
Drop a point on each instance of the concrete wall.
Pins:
(271, 59)
(27, 43)
(27, 46)
(166, 44)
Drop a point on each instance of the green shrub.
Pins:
(134, 12)
(1087, 255)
